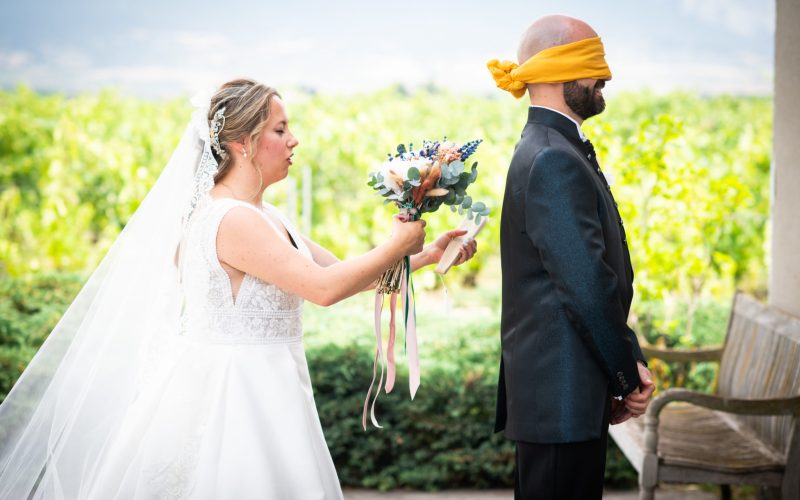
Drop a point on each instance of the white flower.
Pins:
(395, 172)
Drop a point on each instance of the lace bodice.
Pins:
(261, 313)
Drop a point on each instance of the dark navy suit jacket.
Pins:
(567, 290)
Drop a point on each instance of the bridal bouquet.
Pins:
(421, 181)
(417, 181)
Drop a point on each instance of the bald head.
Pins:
(550, 31)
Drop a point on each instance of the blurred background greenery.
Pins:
(691, 175)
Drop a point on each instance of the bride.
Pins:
(179, 371)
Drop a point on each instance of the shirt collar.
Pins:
(580, 132)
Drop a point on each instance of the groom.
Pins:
(570, 364)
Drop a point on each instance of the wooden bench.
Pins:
(748, 432)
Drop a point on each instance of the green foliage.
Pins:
(693, 191)
(443, 439)
(29, 310)
(73, 171)
(691, 178)
(666, 324)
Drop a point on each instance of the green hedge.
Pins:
(29, 309)
(443, 439)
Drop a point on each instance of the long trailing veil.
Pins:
(71, 399)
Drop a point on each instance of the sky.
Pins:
(170, 48)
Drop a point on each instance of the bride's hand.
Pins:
(409, 236)
(436, 249)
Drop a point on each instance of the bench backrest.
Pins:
(761, 360)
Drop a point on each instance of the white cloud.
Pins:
(201, 41)
(287, 46)
(694, 75)
(742, 17)
(13, 59)
(66, 57)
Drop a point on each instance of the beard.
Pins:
(582, 100)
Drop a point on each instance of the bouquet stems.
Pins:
(389, 282)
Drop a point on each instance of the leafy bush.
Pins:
(692, 176)
(443, 439)
(692, 181)
(29, 310)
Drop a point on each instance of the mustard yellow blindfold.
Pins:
(562, 63)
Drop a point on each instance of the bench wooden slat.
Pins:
(691, 436)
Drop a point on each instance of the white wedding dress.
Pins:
(226, 410)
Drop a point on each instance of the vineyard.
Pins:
(691, 175)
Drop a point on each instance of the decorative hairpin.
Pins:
(216, 126)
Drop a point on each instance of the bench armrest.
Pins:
(683, 356)
(765, 406)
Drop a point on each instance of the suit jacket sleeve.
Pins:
(562, 221)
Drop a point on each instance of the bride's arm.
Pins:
(321, 255)
(430, 254)
(246, 242)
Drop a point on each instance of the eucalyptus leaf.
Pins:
(446, 172)
(469, 214)
(467, 202)
(457, 167)
(413, 174)
(478, 219)
(479, 206)
(453, 208)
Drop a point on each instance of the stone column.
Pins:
(784, 272)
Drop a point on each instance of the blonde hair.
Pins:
(246, 104)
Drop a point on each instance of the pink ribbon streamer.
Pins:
(378, 355)
(412, 353)
(390, 365)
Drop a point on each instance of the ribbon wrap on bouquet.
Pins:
(410, 341)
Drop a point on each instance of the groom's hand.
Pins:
(637, 402)
(619, 413)
(635, 405)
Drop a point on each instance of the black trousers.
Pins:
(561, 471)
